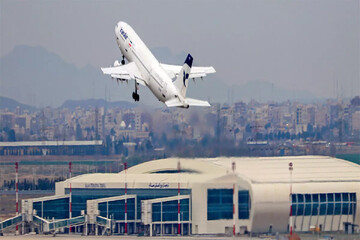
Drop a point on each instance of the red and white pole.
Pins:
(233, 210)
(70, 199)
(233, 168)
(290, 198)
(125, 167)
(178, 167)
(17, 192)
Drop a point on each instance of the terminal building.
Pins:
(215, 196)
(51, 148)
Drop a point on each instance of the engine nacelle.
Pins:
(116, 63)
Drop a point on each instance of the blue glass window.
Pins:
(346, 208)
(300, 209)
(57, 208)
(337, 197)
(219, 204)
(330, 209)
(323, 208)
(116, 209)
(244, 204)
(352, 197)
(323, 204)
(330, 197)
(170, 211)
(307, 209)
(322, 197)
(156, 212)
(315, 209)
(315, 197)
(337, 208)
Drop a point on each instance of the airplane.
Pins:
(167, 82)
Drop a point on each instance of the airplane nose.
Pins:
(116, 28)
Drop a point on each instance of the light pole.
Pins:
(125, 168)
(17, 193)
(126, 207)
(290, 198)
(70, 197)
(178, 168)
(234, 228)
(182, 223)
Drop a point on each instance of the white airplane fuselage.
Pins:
(134, 50)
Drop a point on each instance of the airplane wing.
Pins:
(125, 72)
(196, 72)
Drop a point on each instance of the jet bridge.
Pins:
(161, 216)
(10, 222)
(51, 207)
(118, 211)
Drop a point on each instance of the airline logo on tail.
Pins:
(185, 76)
(188, 61)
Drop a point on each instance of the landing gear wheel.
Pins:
(135, 96)
(123, 60)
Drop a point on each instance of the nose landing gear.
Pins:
(123, 60)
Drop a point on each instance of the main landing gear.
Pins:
(135, 95)
(123, 60)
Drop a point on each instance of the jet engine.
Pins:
(116, 63)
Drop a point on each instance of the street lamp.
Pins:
(290, 198)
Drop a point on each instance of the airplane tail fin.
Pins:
(182, 79)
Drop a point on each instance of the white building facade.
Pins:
(325, 193)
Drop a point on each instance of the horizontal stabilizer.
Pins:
(196, 102)
(196, 72)
(175, 102)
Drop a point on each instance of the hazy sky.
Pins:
(295, 44)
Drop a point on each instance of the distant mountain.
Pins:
(215, 90)
(72, 104)
(42, 78)
(11, 105)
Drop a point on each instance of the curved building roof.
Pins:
(253, 170)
